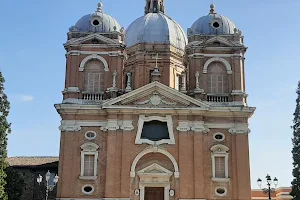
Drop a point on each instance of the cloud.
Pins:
(26, 98)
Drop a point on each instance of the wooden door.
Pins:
(154, 193)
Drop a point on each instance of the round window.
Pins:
(87, 189)
(216, 24)
(221, 191)
(96, 22)
(219, 137)
(90, 135)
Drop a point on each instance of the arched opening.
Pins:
(217, 79)
(94, 76)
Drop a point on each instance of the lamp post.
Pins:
(48, 187)
(268, 190)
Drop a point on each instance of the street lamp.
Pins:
(48, 187)
(268, 190)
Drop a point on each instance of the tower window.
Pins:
(94, 77)
(217, 79)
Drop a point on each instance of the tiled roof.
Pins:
(31, 161)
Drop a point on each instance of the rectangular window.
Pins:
(220, 167)
(89, 165)
(216, 84)
(94, 82)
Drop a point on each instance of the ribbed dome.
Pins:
(97, 22)
(213, 24)
(155, 28)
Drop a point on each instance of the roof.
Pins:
(31, 161)
(205, 25)
(155, 28)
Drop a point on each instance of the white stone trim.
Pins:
(196, 126)
(143, 118)
(87, 193)
(238, 93)
(109, 53)
(76, 125)
(69, 126)
(154, 150)
(219, 151)
(219, 59)
(71, 90)
(89, 149)
(240, 129)
(93, 56)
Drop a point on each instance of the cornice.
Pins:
(109, 53)
(206, 112)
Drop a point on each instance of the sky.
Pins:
(32, 59)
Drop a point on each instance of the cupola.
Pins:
(97, 21)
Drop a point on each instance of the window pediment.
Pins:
(219, 149)
(89, 147)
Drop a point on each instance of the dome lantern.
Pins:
(154, 6)
(213, 24)
(97, 22)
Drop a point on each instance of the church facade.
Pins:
(150, 113)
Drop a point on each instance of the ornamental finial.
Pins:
(100, 6)
(212, 8)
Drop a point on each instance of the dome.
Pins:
(155, 28)
(97, 22)
(213, 24)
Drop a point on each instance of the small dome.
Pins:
(97, 22)
(155, 28)
(213, 24)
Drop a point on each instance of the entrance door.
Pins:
(154, 193)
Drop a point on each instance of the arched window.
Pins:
(217, 79)
(94, 76)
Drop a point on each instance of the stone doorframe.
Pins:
(154, 176)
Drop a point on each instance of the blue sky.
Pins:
(33, 63)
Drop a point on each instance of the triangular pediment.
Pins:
(217, 41)
(155, 95)
(154, 169)
(91, 39)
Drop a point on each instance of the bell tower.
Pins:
(215, 56)
(154, 6)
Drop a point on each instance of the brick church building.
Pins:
(150, 113)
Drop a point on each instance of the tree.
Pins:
(14, 184)
(4, 130)
(296, 149)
